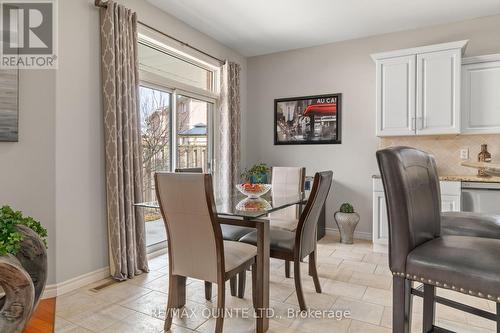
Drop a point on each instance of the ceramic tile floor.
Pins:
(353, 278)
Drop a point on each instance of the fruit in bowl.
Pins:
(253, 205)
(253, 190)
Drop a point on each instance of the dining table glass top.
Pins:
(238, 205)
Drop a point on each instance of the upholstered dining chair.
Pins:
(195, 245)
(470, 224)
(296, 245)
(286, 181)
(230, 233)
(418, 251)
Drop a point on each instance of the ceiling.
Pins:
(256, 27)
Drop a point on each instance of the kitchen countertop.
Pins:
(471, 178)
(463, 178)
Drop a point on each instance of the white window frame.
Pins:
(175, 88)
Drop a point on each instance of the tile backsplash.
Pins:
(446, 149)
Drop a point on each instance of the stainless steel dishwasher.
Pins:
(481, 197)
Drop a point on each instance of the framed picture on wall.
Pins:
(9, 104)
(308, 120)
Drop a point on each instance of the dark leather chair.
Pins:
(296, 245)
(470, 224)
(419, 252)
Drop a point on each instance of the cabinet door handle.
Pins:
(412, 124)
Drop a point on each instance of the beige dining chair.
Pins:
(286, 181)
(195, 245)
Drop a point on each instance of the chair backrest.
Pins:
(412, 193)
(305, 239)
(194, 236)
(286, 181)
(190, 170)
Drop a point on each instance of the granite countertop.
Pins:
(470, 178)
(463, 178)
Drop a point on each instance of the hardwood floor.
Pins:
(42, 320)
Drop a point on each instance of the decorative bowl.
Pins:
(253, 205)
(253, 190)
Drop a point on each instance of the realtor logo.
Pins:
(29, 34)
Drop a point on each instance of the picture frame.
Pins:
(9, 105)
(308, 120)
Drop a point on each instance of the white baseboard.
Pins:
(58, 289)
(50, 291)
(357, 234)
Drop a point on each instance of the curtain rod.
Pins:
(103, 4)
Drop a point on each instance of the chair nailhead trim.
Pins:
(437, 283)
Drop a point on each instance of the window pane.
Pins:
(192, 147)
(170, 67)
(155, 130)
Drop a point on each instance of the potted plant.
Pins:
(257, 174)
(23, 266)
(347, 220)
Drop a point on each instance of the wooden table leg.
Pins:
(263, 254)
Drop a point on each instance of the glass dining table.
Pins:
(239, 210)
(237, 205)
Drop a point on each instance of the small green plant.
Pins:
(256, 172)
(10, 237)
(346, 208)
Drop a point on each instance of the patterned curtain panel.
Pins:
(228, 164)
(127, 246)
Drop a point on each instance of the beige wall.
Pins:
(80, 177)
(80, 192)
(346, 68)
(27, 167)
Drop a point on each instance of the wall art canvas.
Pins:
(308, 120)
(9, 105)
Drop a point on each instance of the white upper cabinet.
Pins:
(438, 92)
(481, 95)
(418, 90)
(396, 96)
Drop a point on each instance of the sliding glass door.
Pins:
(177, 96)
(191, 147)
(192, 142)
(155, 106)
(156, 133)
